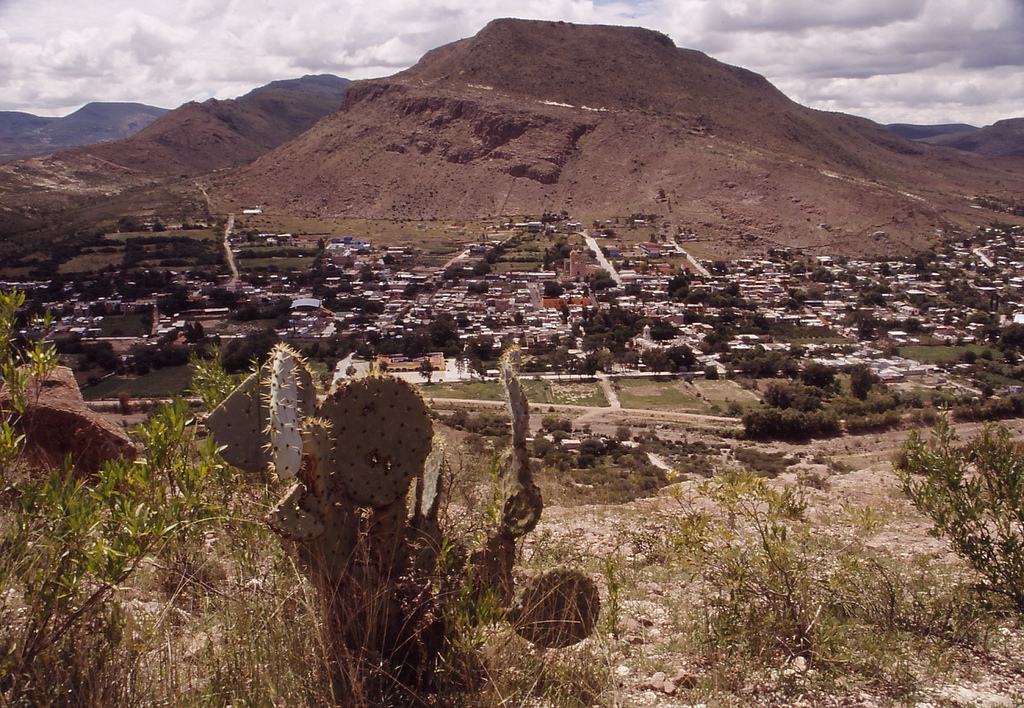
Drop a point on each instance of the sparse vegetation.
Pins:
(157, 583)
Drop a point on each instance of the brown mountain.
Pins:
(201, 137)
(603, 121)
(51, 192)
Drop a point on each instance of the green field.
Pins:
(382, 233)
(113, 251)
(170, 381)
(91, 262)
(659, 395)
(723, 392)
(939, 354)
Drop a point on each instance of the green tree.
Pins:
(817, 374)
(861, 381)
(427, 370)
(975, 495)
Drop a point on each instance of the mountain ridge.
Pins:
(532, 116)
(25, 134)
(196, 138)
(1003, 138)
(59, 191)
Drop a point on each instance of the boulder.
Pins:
(56, 423)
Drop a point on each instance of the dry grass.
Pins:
(889, 614)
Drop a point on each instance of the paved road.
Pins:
(461, 257)
(693, 261)
(605, 263)
(984, 258)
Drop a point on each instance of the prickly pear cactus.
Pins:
(301, 513)
(382, 435)
(242, 422)
(237, 425)
(519, 496)
(376, 435)
(523, 502)
(350, 516)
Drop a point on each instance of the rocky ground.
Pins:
(656, 658)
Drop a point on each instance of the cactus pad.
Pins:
(515, 398)
(427, 499)
(293, 522)
(300, 515)
(557, 608)
(523, 504)
(382, 435)
(240, 422)
(284, 413)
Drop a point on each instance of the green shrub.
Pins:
(764, 464)
(69, 543)
(975, 495)
(768, 589)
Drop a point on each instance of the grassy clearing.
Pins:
(576, 393)
(939, 354)
(126, 326)
(161, 383)
(381, 232)
(659, 395)
(724, 391)
(91, 262)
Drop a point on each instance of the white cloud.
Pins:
(916, 59)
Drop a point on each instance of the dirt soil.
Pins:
(855, 493)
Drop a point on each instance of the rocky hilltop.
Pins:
(529, 116)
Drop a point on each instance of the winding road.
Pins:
(232, 262)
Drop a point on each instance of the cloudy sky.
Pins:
(917, 61)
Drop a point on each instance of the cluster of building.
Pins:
(871, 307)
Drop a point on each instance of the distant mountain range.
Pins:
(47, 193)
(530, 116)
(1002, 139)
(199, 137)
(23, 134)
(195, 137)
(924, 132)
